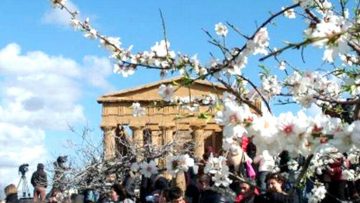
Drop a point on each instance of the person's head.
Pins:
(40, 167)
(118, 192)
(10, 189)
(275, 182)
(161, 183)
(246, 189)
(205, 181)
(162, 196)
(175, 195)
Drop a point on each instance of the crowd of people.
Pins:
(259, 183)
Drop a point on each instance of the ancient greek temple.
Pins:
(166, 123)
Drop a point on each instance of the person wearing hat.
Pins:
(39, 181)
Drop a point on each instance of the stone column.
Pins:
(109, 142)
(167, 132)
(138, 137)
(198, 138)
(156, 135)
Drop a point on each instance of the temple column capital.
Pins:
(197, 125)
(107, 128)
(167, 126)
(136, 125)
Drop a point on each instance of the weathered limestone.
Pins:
(167, 132)
(198, 137)
(138, 137)
(109, 142)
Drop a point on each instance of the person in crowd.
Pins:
(90, 196)
(163, 195)
(237, 159)
(332, 178)
(208, 194)
(39, 181)
(77, 198)
(212, 196)
(54, 195)
(275, 192)
(266, 164)
(129, 185)
(173, 195)
(247, 193)
(192, 192)
(119, 194)
(251, 148)
(204, 182)
(160, 184)
(11, 194)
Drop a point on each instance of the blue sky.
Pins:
(51, 75)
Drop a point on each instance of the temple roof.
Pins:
(149, 92)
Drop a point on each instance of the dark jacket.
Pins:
(275, 197)
(39, 179)
(12, 198)
(211, 196)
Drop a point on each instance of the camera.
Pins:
(23, 169)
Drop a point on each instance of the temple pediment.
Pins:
(150, 92)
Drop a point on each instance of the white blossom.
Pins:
(75, 23)
(111, 43)
(134, 167)
(293, 165)
(260, 42)
(221, 178)
(282, 65)
(91, 34)
(148, 168)
(348, 174)
(215, 164)
(124, 70)
(137, 109)
(234, 131)
(355, 135)
(166, 92)
(330, 33)
(271, 85)
(209, 99)
(221, 29)
(162, 49)
(290, 13)
(304, 3)
(266, 128)
(317, 193)
(181, 163)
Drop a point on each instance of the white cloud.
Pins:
(59, 16)
(39, 90)
(19, 145)
(98, 70)
(40, 93)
